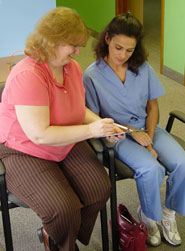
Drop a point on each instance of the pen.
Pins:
(123, 127)
(130, 130)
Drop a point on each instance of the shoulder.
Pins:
(25, 64)
(27, 75)
(146, 68)
(29, 67)
(90, 69)
(93, 69)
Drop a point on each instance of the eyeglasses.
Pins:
(77, 47)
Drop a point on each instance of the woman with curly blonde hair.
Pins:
(48, 164)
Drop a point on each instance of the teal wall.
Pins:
(174, 35)
(95, 13)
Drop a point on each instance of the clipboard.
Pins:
(128, 131)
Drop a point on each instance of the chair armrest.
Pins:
(107, 143)
(100, 144)
(175, 115)
(178, 115)
(96, 145)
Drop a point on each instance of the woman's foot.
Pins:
(154, 237)
(48, 242)
(169, 227)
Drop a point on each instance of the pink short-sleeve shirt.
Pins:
(30, 83)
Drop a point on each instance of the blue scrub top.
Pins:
(125, 103)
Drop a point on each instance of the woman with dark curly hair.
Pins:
(122, 85)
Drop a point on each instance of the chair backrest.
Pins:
(2, 85)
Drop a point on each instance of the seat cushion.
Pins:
(12, 198)
(124, 171)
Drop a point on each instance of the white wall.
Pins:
(17, 20)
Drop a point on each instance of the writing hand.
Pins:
(113, 139)
(101, 128)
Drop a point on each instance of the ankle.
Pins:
(168, 213)
(146, 220)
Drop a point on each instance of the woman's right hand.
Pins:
(101, 127)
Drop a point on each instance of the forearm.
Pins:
(152, 119)
(151, 123)
(63, 135)
(41, 132)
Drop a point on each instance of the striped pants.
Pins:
(67, 196)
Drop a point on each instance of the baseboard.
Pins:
(178, 77)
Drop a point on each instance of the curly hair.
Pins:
(60, 25)
(126, 24)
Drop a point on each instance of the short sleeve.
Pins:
(91, 97)
(28, 88)
(155, 87)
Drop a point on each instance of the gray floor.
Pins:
(25, 222)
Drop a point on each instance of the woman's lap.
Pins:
(29, 177)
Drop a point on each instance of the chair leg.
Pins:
(103, 218)
(104, 229)
(5, 215)
(113, 203)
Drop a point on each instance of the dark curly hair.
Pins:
(126, 24)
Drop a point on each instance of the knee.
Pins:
(99, 192)
(151, 172)
(62, 212)
(103, 191)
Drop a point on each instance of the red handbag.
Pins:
(132, 235)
